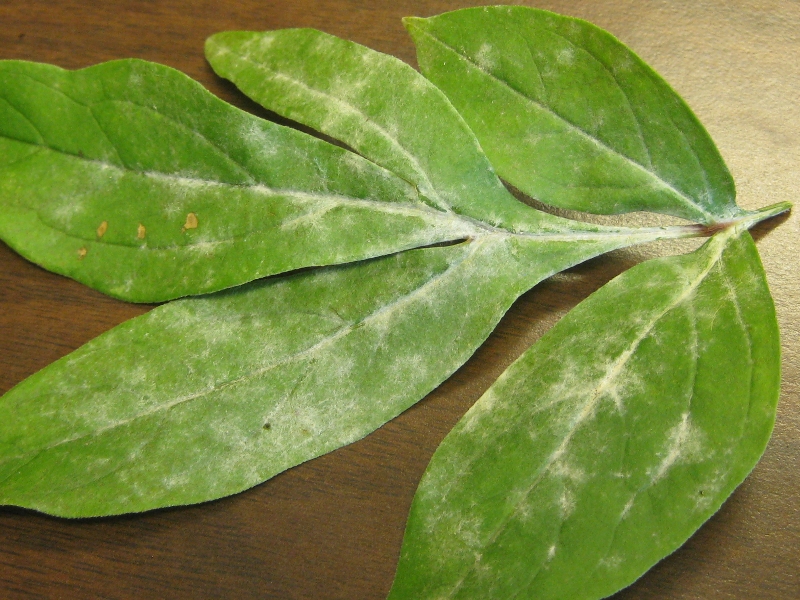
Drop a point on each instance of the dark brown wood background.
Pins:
(332, 527)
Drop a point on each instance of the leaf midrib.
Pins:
(420, 210)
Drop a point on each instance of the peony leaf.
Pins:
(130, 177)
(213, 395)
(609, 442)
(571, 116)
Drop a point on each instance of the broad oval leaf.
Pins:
(571, 116)
(132, 178)
(609, 442)
(205, 397)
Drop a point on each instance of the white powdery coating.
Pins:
(685, 444)
(554, 408)
(485, 57)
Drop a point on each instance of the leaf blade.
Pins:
(126, 169)
(376, 104)
(563, 480)
(542, 90)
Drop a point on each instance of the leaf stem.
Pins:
(754, 217)
(748, 220)
(650, 234)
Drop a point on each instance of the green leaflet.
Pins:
(379, 106)
(571, 116)
(130, 177)
(609, 442)
(209, 396)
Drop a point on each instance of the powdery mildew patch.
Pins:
(542, 434)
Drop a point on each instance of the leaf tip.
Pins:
(219, 43)
(412, 22)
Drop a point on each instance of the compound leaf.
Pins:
(213, 395)
(571, 116)
(609, 442)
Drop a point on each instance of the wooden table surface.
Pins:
(332, 528)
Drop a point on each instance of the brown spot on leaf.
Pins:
(101, 230)
(191, 222)
(267, 426)
(82, 252)
(141, 232)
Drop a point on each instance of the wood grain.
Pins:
(332, 528)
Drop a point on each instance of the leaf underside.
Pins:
(571, 116)
(609, 442)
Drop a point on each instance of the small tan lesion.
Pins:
(191, 222)
(101, 230)
(141, 231)
(82, 253)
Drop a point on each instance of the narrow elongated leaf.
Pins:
(609, 442)
(210, 396)
(132, 178)
(571, 116)
(379, 106)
